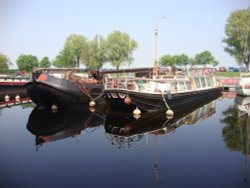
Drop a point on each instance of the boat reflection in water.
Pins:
(122, 130)
(49, 126)
(243, 105)
(129, 132)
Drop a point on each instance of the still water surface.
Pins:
(200, 147)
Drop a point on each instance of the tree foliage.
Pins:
(237, 40)
(27, 62)
(64, 59)
(119, 47)
(235, 133)
(116, 49)
(4, 62)
(205, 58)
(167, 60)
(95, 55)
(181, 60)
(72, 53)
(174, 60)
(45, 62)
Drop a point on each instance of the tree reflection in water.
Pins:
(236, 132)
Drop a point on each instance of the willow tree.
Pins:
(94, 57)
(72, 53)
(119, 48)
(237, 40)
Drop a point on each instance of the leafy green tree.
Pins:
(181, 60)
(73, 52)
(95, 56)
(4, 63)
(205, 58)
(167, 60)
(174, 60)
(64, 59)
(192, 61)
(119, 47)
(27, 62)
(237, 40)
(45, 62)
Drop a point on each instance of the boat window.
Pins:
(173, 87)
(188, 84)
(203, 83)
(197, 82)
(209, 83)
(181, 86)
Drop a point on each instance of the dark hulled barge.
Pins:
(160, 92)
(71, 87)
(63, 87)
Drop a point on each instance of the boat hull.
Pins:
(150, 102)
(61, 92)
(243, 85)
(151, 121)
(13, 82)
(48, 126)
(242, 91)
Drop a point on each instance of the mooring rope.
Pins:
(83, 89)
(164, 100)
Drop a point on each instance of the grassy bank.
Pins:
(228, 74)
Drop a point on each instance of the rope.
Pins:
(99, 96)
(83, 89)
(164, 100)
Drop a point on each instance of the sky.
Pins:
(40, 27)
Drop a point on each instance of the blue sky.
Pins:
(40, 27)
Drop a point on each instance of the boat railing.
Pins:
(170, 84)
(205, 71)
(75, 75)
(14, 79)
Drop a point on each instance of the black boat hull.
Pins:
(49, 126)
(128, 131)
(150, 102)
(61, 92)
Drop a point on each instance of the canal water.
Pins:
(203, 145)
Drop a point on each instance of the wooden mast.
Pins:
(155, 68)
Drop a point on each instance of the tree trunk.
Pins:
(77, 62)
(247, 61)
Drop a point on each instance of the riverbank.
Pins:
(228, 74)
